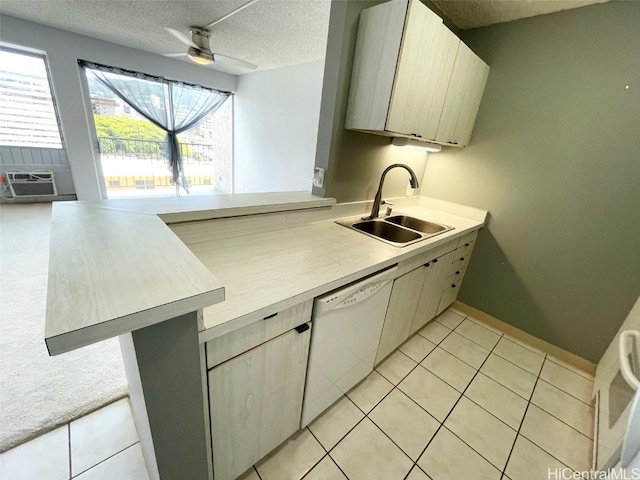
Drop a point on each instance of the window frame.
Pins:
(43, 56)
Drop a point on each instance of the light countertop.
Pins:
(266, 272)
(115, 266)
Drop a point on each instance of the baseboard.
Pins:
(40, 199)
(560, 353)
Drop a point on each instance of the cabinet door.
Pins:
(432, 291)
(256, 401)
(463, 97)
(402, 306)
(374, 65)
(424, 67)
(448, 296)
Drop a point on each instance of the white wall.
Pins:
(63, 49)
(276, 127)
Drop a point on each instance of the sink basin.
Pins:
(387, 231)
(417, 224)
(399, 230)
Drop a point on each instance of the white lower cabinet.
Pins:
(255, 401)
(432, 291)
(452, 282)
(402, 306)
(423, 293)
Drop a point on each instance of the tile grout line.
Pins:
(504, 469)
(542, 448)
(257, 472)
(105, 459)
(583, 374)
(522, 343)
(441, 424)
(564, 391)
(366, 415)
(453, 408)
(538, 378)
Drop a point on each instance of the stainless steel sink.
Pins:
(399, 230)
(387, 231)
(417, 224)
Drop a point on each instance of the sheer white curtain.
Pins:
(173, 106)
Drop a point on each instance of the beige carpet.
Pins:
(39, 392)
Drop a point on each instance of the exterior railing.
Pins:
(138, 164)
(151, 150)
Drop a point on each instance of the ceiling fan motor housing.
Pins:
(200, 37)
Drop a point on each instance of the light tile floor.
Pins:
(100, 446)
(458, 400)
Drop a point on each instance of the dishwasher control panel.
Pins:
(362, 294)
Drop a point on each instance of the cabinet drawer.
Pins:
(456, 276)
(460, 261)
(423, 258)
(467, 238)
(465, 249)
(234, 343)
(448, 297)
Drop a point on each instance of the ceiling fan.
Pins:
(199, 50)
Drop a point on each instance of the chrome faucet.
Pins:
(375, 210)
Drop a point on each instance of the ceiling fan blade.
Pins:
(174, 54)
(226, 60)
(181, 36)
(233, 12)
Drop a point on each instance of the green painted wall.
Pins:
(555, 158)
(354, 160)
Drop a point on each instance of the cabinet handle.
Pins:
(427, 264)
(461, 259)
(302, 328)
(270, 316)
(466, 244)
(458, 272)
(435, 260)
(453, 285)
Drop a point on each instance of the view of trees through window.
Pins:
(131, 149)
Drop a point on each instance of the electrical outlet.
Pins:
(318, 177)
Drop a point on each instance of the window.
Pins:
(131, 147)
(27, 112)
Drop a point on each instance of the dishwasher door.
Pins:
(346, 330)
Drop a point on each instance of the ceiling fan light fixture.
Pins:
(199, 57)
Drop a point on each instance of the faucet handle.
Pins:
(389, 209)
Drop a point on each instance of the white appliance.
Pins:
(616, 382)
(32, 184)
(630, 457)
(346, 329)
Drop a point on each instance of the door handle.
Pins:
(627, 337)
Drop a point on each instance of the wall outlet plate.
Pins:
(318, 177)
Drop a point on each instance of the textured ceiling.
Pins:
(269, 33)
(480, 13)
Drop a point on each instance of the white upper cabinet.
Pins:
(463, 97)
(423, 70)
(412, 76)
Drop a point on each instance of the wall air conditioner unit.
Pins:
(32, 184)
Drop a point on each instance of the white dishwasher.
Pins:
(346, 329)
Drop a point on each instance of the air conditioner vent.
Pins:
(32, 184)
